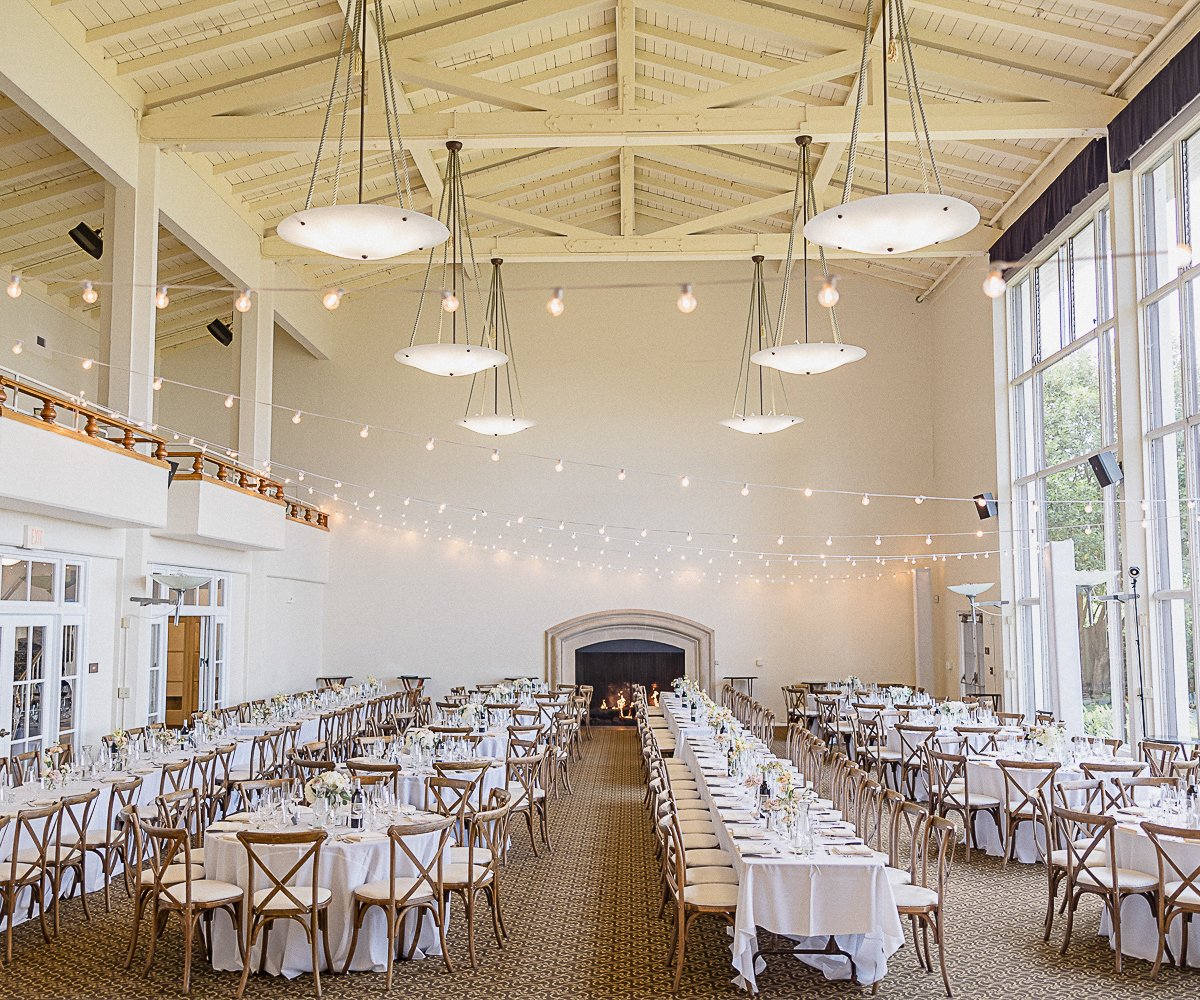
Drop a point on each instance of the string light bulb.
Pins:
(450, 301)
(807, 492)
(229, 402)
(556, 306)
(332, 298)
(495, 454)
(829, 539)
(18, 347)
(994, 284)
(621, 475)
(866, 500)
(929, 539)
(243, 302)
(685, 481)
(89, 293)
(1180, 256)
(365, 431)
(878, 539)
(745, 489)
(558, 466)
(87, 364)
(296, 417)
(829, 296)
(686, 303)
(918, 500)
(429, 445)
(157, 383)
(161, 298)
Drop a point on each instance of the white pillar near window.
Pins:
(128, 316)
(1130, 433)
(1062, 634)
(256, 355)
(926, 675)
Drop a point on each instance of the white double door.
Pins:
(39, 665)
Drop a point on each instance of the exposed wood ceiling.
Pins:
(611, 129)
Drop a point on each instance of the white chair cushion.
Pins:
(456, 874)
(1127, 878)
(914, 897)
(66, 854)
(205, 891)
(1189, 896)
(897, 876)
(698, 841)
(377, 892)
(696, 826)
(714, 873)
(24, 870)
(707, 857)
(1058, 859)
(281, 901)
(712, 894)
(458, 856)
(173, 873)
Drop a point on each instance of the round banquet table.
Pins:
(348, 860)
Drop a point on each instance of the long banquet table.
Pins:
(810, 899)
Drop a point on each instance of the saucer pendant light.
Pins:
(362, 230)
(807, 357)
(497, 408)
(452, 352)
(754, 400)
(893, 223)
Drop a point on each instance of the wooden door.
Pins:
(183, 670)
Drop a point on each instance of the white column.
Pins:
(1062, 633)
(127, 320)
(256, 347)
(1130, 441)
(1014, 698)
(922, 585)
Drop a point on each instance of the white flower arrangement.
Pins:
(471, 714)
(853, 681)
(423, 739)
(332, 786)
(899, 693)
(503, 693)
(720, 718)
(372, 681)
(209, 720)
(120, 739)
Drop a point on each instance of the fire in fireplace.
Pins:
(614, 666)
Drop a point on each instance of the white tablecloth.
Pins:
(345, 865)
(808, 899)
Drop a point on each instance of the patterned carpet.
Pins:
(584, 925)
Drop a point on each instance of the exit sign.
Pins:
(34, 538)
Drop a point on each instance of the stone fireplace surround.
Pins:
(696, 640)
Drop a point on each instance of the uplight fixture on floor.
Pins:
(759, 392)
(892, 223)
(452, 352)
(500, 410)
(807, 356)
(362, 230)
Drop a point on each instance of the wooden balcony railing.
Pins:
(201, 465)
(33, 404)
(305, 513)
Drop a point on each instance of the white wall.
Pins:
(621, 379)
(964, 454)
(29, 317)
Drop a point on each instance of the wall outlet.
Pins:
(123, 693)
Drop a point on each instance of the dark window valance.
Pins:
(1083, 175)
(1155, 106)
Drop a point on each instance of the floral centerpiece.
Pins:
(53, 776)
(279, 700)
(472, 714)
(420, 739)
(898, 693)
(210, 720)
(853, 682)
(119, 740)
(503, 693)
(337, 687)
(331, 787)
(720, 719)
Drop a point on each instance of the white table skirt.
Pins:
(808, 899)
(345, 865)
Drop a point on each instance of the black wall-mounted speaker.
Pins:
(1106, 468)
(985, 506)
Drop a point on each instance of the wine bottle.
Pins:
(356, 808)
